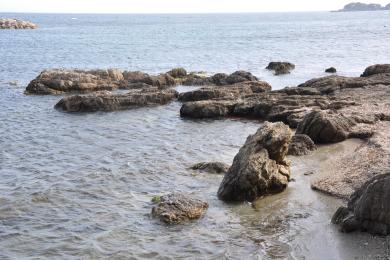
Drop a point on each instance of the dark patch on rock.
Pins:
(301, 145)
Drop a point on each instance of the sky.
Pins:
(171, 6)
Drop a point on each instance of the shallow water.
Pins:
(79, 186)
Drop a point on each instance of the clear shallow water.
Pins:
(79, 186)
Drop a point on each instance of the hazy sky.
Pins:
(171, 6)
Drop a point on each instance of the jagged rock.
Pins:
(281, 67)
(219, 79)
(211, 167)
(376, 69)
(368, 208)
(112, 102)
(260, 167)
(325, 127)
(16, 24)
(177, 73)
(301, 145)
(207, 109)
(176, 208)
(331, 70)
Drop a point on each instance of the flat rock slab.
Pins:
(112, 102)
(176, 208)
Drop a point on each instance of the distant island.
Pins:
(357, 6)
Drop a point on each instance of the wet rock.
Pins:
(301, 145)
(196, 80)
(211, 167)
(177, 73)
(368, 208)
(331, 70)
(240, 76)
(207, 109)
(112, 102)
(281, 67)
(325, 127)
(176, 208)
(260, 167)
(16, 24)
(219, 79)
(376, 69)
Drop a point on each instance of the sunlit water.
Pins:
(79, 186)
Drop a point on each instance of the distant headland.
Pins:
(357, 6)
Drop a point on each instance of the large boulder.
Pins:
(280, 67)
(60, 81)
(260, 167)
(368, 208)
(325, 127)
(211, 167)
(176, 208)
(301, 145)
(376, 69)
(112, 102)
(177, 73)
(16, 24)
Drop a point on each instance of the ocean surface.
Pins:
(79, 186)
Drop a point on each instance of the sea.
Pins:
(79, 186)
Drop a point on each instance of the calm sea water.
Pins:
(79, 186)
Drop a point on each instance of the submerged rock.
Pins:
(368, 208)
(16, 24)
(325, 127)
(111, 102)
(260, 167)
(331, 70)
(211, 167)
(281, 67)
(176, 208)
(301, 145)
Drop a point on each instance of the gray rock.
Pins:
(331, 70)
(211, 167)
(112, 102)
(177, 73)
(376, 69)
(176, 208)
(260, 167)
(240, 76)
(281, 67)
(368, 208)
(301, 145)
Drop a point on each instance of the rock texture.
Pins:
(211, 167)
(16, 24)
(357, 6)
(177, 208)
(281, 67)
(59, 81)
(376, 69)
(111, 102)
(368, 208)
(301, 145)
(260, 167)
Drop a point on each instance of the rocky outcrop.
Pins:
(219, 79)
(228, 91)
(59, 81)
(112, 102)
(368, 208)
(325, 127)
(331, 70)
(16, 24)
(357, 6)
(177, 72)
(301, 145)
(281, 67)
(260, 167)
(376, 69)
(240, 76)
(176, 208)
(211, 167)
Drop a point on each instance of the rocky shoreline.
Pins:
(321, 111)
(7, 23)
